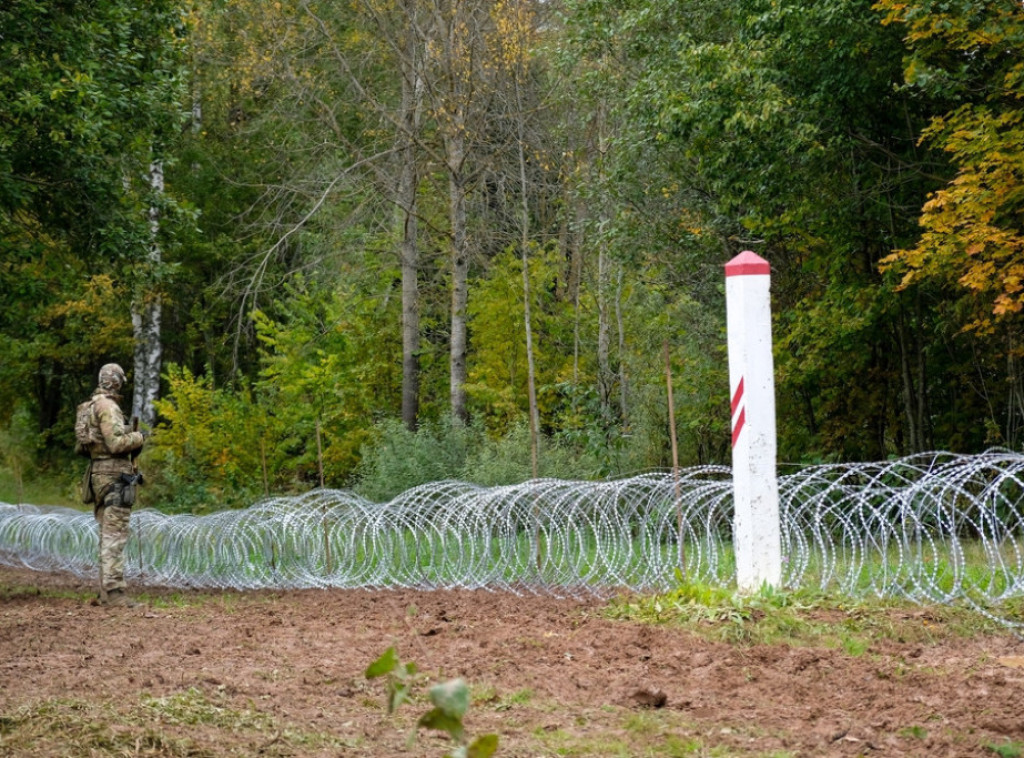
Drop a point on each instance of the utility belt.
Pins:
(112, 465)
(125, 486)
(126, 479)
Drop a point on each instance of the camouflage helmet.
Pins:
(111, 377)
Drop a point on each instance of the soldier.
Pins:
(113, 478)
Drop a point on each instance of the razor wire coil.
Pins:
(930, 528)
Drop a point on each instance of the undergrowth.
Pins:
(804, 617)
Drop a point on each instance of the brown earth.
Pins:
(281, 673)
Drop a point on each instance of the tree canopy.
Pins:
(471, 219)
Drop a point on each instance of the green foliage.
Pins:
(398, 459)
(209, 450)
(498, 374)
(315, 375)
(89, 98)
(971, 227)
(1007, 749)
(450, 700)
(400, 677)
(662, 138)
(86, 90)
(735, 617)
(18, 448)
(506, 459)
(784, 129)
(800, 617)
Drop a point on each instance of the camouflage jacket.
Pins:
(118, 439)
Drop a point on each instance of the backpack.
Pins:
(86, 432)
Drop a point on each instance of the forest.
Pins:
(382, 242)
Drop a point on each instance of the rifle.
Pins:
(131, 456)
(134, 478)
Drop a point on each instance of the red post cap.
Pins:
(747, 264)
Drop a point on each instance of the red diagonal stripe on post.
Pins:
(737, 396)
(738, 426)
(738, 421)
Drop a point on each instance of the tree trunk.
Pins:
(460, 277)
(407, 191)
(531, 371)
(146, 314)
(620, 325)
(1015, 395)
(912, 371)
(605, 375)
(454, 50)
(924, 426)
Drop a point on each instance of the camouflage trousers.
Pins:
(113, 521)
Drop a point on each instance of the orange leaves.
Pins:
(96, 323)
(514, 31)
(972, 233)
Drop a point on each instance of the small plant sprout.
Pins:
(450, 700)
(399, 677)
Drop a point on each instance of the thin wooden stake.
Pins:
(263, 460)
(319, 453)
(675, 460)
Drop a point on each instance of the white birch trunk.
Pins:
(531, 371)
(146, 314)
(460, 280)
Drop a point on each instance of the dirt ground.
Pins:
(281, 673)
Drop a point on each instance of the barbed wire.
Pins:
(930, 528)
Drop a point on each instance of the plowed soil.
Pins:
(281, 673)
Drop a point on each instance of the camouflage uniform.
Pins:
(111, 458)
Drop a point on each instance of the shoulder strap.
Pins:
(94, 425)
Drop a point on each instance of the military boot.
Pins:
(119, 597)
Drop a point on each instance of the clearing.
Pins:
(272, 673)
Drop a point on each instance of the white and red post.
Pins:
(757, 537)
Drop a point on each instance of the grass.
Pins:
(914, 732)
(513, 699)
(1008, 749)
(189, 724)
(654, 734)
(802, 617)
(16, 591)
(43, 490)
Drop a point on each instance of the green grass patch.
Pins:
(655, 734)
(914, 732)
(189, 724)
(1007, 749)
(514, 699)
(40, 490)
(804, 617)
(10, 592)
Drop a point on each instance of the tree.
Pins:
(86, 89)
(972, 227)
(782, 131)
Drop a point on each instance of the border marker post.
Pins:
(757, 539)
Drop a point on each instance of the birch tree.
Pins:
(146, 313)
